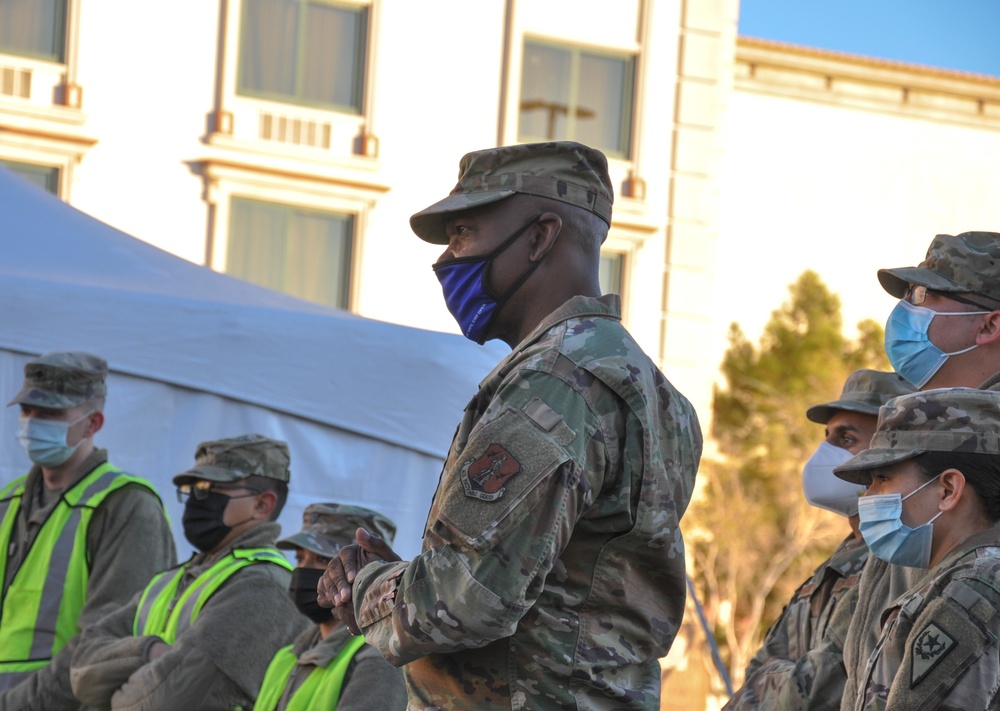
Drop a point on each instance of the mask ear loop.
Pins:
(520, 280)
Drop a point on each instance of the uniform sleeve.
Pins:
(502, 515)
(129, 541)
(106, 655)
(815, 680)
(372, 683)
(220, 661)
(949, 660)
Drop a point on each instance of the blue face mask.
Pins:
(888, 537)
(45, 440)
(908, 346)
(466, 293)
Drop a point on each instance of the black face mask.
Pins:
(203, 526)
(303, 593)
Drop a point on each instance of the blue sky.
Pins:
(951, 34)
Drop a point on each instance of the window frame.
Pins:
(60, 35)
(362, 57)
(300, 209)
(576, 51)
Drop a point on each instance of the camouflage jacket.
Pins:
(939, 643)
(370, 682)
(552, 570)
(217, 663)
(793, 669)
(880, 584)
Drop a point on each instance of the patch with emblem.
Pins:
(485, 476)
(930, 647)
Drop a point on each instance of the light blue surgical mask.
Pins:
(45, 440)
(908, 346)
(466, 293)
(888, 537)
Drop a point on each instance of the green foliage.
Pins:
(756, 537)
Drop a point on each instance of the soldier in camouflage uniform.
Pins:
(789, 671)
(933, 501)
(78, 536)
(200, 636)
(959, 275)
(552, 571)
(327, 666)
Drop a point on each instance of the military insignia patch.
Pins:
(930, 647)
(484, 477)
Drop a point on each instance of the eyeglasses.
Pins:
(200, 490)
(916, 295)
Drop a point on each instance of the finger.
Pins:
(335, 586)
(324, 591)
(376, 545)
(349, 567)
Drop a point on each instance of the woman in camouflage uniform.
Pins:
(933, 501)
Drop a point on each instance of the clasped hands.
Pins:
(334, 589)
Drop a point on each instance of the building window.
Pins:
(305, 52)
(44, 176)
(303, 252)
(609, 272)
(575, 94)
(33, 28)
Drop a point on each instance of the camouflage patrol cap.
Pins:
(963, 420)
(969, 262)
(326, 528)
(865, 391)
(237, 458)
(62, 379)
(560, 170)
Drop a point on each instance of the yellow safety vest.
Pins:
(320, 690)
(39, 610)
(162, 613)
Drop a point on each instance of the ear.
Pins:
(953, 482)
(990, 331)
(96, 423)
(266, 502)
(543, 235)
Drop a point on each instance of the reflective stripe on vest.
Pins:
(162, 613)
(40, 609)
(321, 689)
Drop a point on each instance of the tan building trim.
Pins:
(805, 73)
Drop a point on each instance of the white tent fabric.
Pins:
(367, 408)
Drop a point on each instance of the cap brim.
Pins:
(821, 414)
(41, 398)
(857, 470)
(306, 542)
(428, 224)
(208, 473)
(896, 281)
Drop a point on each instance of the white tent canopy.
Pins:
(367, 408)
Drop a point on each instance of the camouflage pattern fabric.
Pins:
(864, 391)
(945, 420)
(235, 458)
(560, 170)
(969, 262)
(62, 380)
(938, 648)
(326, 528)
(552, 571)
(791, 670)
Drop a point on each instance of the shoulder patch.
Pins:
(930, 647)
(485, 476)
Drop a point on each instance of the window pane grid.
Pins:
(302, 252)
(303, 52)
(570, 93)
(33, 28)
